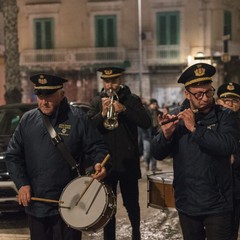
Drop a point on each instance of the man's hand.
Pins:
(24, 195)
(105, 104)
(100, 172)
(232, 159)
(188, 118)
(118, 107)
(169, 128)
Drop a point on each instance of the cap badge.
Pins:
(230, 87)
(200, 71)
(107, 72)
(42, 80)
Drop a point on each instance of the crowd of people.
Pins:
(201, 135)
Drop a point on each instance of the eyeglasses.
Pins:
(230, 101)
(199, 95)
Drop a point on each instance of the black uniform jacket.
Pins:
(201, 161)
(33, 160)
(236, 169)
(123, 141)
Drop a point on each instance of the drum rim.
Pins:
(89, 227)
(151, 176)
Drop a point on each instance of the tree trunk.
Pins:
(12, 73)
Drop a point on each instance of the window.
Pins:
(168, 28)
(227, 30)
(168, 34)
(105, 31)
(43, 33)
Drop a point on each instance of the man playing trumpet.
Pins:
(122, 140)
(201, 145)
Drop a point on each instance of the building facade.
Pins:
(153, 39)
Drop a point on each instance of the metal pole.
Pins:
(140, 44)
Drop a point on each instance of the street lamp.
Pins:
(140, 44)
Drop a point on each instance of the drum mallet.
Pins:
(47, 200)
(102, 165)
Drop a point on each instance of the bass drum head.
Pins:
(83, 214)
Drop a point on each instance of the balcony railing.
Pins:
(42, 1)
(162, 55)
(102, 0)
(71, 58)
(76, 58)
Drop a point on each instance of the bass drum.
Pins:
(95, 208)
(160, 190)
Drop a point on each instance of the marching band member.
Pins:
(36, 165)
(201, 144)
(117, 113)
(229, 97)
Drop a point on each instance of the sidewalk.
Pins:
(156, 224)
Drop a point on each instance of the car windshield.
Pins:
(9, 118)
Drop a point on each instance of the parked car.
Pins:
(10, 115)
(84, 106)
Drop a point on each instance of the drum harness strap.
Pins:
(58, 141)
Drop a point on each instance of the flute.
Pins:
(194, 111)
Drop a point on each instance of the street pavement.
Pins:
(157, 223)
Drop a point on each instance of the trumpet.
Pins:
(111, 121)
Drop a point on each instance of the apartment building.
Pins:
(153, 39)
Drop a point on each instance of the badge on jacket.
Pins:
(64, 129)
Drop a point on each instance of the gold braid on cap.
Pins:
(229, 93)
(48, 87)
(197, 80)
(111, 76)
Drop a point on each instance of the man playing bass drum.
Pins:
(38, 167)
(117, 113)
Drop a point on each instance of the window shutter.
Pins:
(105, 31)
(43, 33)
